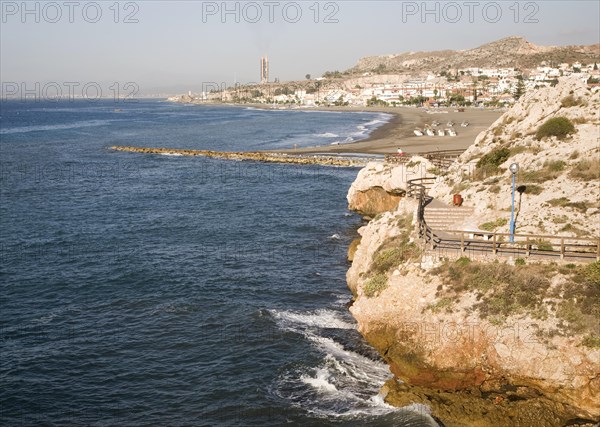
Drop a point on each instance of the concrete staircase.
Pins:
(440, 216)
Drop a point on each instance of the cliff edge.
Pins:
(486, 342)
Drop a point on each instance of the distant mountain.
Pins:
(515, 52)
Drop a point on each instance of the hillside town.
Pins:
(472, 86)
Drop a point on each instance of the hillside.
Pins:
(490, 341)
(510, 52)
(560, 178)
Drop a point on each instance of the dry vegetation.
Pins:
(391, 254)
(503, 290)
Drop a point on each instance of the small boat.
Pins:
(464, 124)
(451, 132)
(440, 132)
(418, 132)
(430, 132)
(450, 124)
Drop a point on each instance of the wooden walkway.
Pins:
(478, 242)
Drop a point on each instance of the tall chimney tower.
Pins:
(264, 69)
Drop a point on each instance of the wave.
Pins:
(327, 135)
(297, 321)
(343, 384)
(65, 126)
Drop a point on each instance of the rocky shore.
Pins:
(490, 342)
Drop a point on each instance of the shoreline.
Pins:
(397, 132)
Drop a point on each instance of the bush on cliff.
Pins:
(375, 285)
(503, 290)
(559, 127)
(489, 164)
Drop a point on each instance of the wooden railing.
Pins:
(584, 248)
(524, 244)
(442, 159)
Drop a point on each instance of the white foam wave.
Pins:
(320, 381)
(334, 237)
(323, 318)
(39, 128)
(327, 135)
(171, 154)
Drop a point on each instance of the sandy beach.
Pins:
(398, 132)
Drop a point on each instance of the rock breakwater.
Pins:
(323, 160)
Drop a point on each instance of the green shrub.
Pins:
(559, 127)
(494, 158)
(592, 273)
(542, 245)
(489, 164)
(493, 225)
(386, 259)
(591, 341)
(520, 261)
(463, 260)
(442, 304)
(375, 285)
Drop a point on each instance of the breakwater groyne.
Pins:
(313, 159)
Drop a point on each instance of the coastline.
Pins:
(397, 132)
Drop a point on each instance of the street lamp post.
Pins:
(514, 168)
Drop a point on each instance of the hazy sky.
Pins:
(175, 45)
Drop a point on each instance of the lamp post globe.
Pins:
(514, 168)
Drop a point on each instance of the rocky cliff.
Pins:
(489, 343)
(558, 178)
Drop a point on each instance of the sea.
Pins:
(147, 290)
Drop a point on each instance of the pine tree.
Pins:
(520, 89)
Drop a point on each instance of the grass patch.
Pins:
(570, 101)
(574, 155)
(541, 245)
(563, 202)
(570, 228)
(443, 304)
(391, 254)
(375, 285)
(586, 170)
(559, 127)
(460, 187)
(550, 170)
(493, 225)
(591, 341)
(560, 219)
(503, 291)
(533, 189)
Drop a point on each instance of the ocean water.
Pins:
(164, 290)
